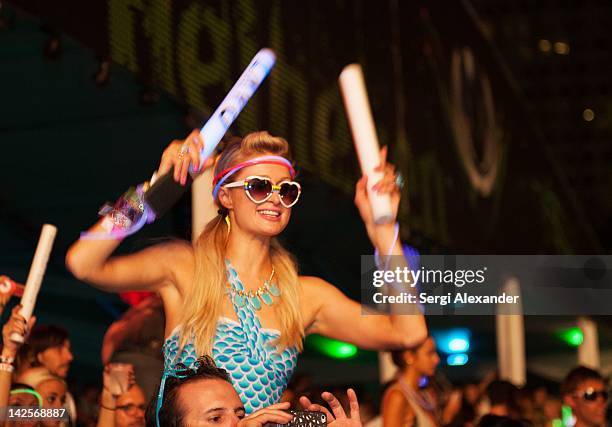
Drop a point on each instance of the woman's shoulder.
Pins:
(316, 284)
(394, 399)
(393, 389)
(394, 394)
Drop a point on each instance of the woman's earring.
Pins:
(229, 225)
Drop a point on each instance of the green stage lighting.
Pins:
(331, 348)
(572, 336)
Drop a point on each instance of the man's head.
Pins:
(203, 396)
(49, 346)
(130, 408)
(585, 391)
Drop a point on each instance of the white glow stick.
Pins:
(352, 85)
(37, 271)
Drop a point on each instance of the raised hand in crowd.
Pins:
(122, 402)
(18, 324)
(337, 417)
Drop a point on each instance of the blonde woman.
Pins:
(235, 293)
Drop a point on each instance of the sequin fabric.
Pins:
(245, 350)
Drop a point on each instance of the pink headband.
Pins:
(273, 160)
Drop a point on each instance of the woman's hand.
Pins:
(270, 414)
(378, 233)
(339, 418)
(179, 155)
(16, 323)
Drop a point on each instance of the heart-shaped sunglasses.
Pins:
(259, 189)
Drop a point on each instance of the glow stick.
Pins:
(164, 191)
(357, 106)
(37, 271)
(223, 117)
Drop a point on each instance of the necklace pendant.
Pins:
(239, 300)
(266, 298)
(274, 290)
(255, 303)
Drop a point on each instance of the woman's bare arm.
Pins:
(148, 270)
(331, 313)
(152, 268)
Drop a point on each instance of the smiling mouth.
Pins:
(269, 214)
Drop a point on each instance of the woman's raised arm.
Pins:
(334, 315)
(150, 269)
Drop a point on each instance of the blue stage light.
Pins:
(451, 341)
(458, 359)
(458, 345)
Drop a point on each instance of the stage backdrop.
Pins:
(480, 175)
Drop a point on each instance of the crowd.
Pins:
(33, 375)
(216, 340)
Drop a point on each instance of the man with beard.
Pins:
(49, 346)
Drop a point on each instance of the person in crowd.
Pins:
(502, 399)
(136, 338)
(236, 294)
(409, 400)
(585, 391)
(122, 402)
(15, 394)
(49, 347)
(551, 411)
(204, 396)
(15, 324)
(526, 405)
(51, 388)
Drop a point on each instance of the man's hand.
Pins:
(339, 418)
(270, 414)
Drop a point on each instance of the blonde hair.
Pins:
(203, 302)
(36, 376)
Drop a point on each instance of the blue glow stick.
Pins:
(234, 102)
(164, 192)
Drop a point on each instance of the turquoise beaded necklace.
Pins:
(263, 294)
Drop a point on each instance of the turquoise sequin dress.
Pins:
(258, 371)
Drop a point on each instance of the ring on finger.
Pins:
(399, 180)
(184, 150)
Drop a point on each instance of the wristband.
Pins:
(7, 367)
(128, 215)
(7, 359)
(377, 255)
